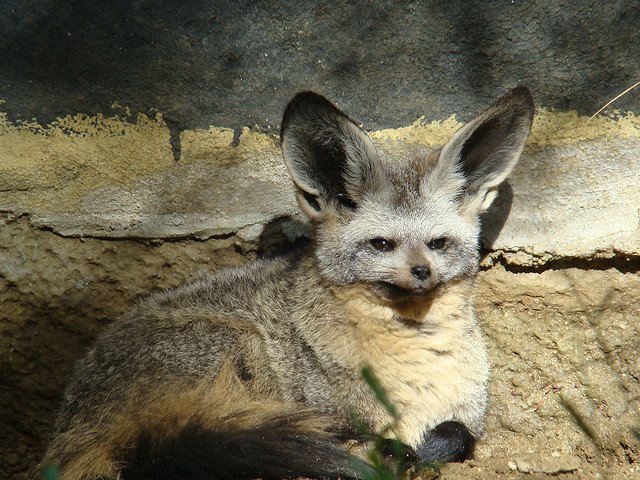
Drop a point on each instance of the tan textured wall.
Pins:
(97, 212)
(102, 176)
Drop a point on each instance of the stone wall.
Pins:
(138, 150)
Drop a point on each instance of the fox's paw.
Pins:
(448, 442)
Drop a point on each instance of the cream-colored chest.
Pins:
(433, 371)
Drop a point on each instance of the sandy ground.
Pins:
(564, 345)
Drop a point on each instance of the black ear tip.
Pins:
(521, 91)
(308, 97)
(522, 95)
(304, 101)
(517, 103)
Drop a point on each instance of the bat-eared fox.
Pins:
(256, 372)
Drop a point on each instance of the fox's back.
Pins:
(178, 337)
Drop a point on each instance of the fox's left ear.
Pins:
(332, 162)
(486, 149)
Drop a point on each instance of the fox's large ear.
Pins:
(332, 162)
(486, 149)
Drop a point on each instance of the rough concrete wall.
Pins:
(105, 177)
(234, 64)
(126, 166)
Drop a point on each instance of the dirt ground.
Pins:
(565, 390)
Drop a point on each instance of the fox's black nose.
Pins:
(421, 272)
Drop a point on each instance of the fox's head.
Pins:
(399, 227)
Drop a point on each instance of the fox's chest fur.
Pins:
(429, 357)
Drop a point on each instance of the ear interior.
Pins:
(331, 161)
(486, 149)
(310, 201)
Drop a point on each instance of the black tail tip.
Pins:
(448, 442)
(274, 450)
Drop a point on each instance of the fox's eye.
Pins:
(437, 243)
(382, 244)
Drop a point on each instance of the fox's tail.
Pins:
(279, 448)
(213, 431)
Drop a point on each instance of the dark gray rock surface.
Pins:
(236, 63)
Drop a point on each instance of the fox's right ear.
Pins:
(331, 161)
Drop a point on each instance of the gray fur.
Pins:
(298, 330)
